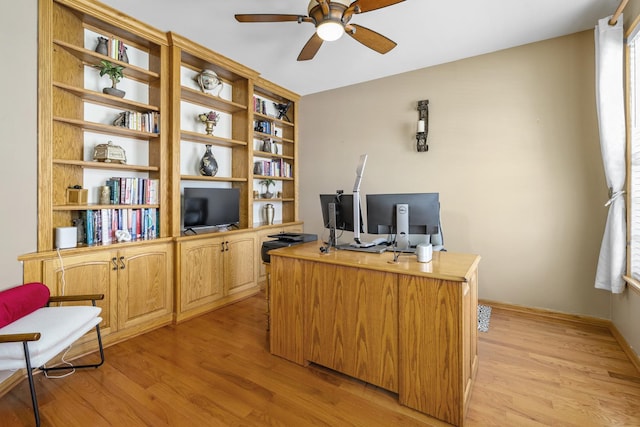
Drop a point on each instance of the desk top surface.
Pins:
(444, 265)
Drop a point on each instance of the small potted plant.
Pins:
(115, 74)
(267, 182)
(210, 120)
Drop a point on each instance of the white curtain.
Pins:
(611, 119)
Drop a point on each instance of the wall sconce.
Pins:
(423, 126)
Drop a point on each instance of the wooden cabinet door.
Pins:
(240, 264)
(201, 272)
(91, 273)
(144, 284)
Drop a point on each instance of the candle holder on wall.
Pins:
(423, 126)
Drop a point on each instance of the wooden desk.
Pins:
(409, 327)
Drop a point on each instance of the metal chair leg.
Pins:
(93, 365)
(34, 399)
(32, 388)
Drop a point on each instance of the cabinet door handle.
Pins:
(122, 263)
(221, 246)
(115, 263)
(226, 246)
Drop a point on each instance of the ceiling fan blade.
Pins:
(311, 48)
(369, 5)
(268, 17)
(371, 39)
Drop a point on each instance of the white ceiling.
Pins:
(428, 32)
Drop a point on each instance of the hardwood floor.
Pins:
(216, 370)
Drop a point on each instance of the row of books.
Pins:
(275, 167)
(263, 126)
(101, 224)
(145, 122)
(117, 50)
(133, 191)
(259, 105)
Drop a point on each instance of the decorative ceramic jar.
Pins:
(102, 48)
(268, 213)
(208, 163)
(105, 195)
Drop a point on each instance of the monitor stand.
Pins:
(332, 225)
(402, 227)
(361, 244)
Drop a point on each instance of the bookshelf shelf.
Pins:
(275, 120)
(209, 101)
(262, 135)
(211, 178)
(93, 58)
(101, 98)
(210, 139)
(103, 165)
(108, 129)
(97, 206)
(260, 153)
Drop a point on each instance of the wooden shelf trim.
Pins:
(277, 178)
(260, 135)
(102, 165)
(210, 139)
(108, 129)
(272, 119)
(272, 155)
(101, 98)
(93, 58)
(283, 200)
(210, 101)
(211, 178)
(96, 206)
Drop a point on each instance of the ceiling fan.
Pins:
(331, 18)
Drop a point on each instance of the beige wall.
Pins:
(513, 152)
(18, 138)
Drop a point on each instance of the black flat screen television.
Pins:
(424, 213)
(344, 211)
(210, 207)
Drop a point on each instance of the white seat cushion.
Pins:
(59, 327)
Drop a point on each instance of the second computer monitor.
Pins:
(344, 211)
(423, 213)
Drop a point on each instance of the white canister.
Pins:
(424, 252)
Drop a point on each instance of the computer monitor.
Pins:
(403, 214)
(344, 211)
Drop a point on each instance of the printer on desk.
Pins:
(283, 240)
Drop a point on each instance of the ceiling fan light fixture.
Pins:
(330, 30)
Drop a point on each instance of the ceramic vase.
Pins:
(268, 213)
(208, 163)
(102, 47)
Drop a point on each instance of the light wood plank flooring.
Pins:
(216, 370)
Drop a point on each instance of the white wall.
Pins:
(18, 137)
(513, 152)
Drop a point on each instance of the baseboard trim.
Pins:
(575, 318)
(633, 357)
